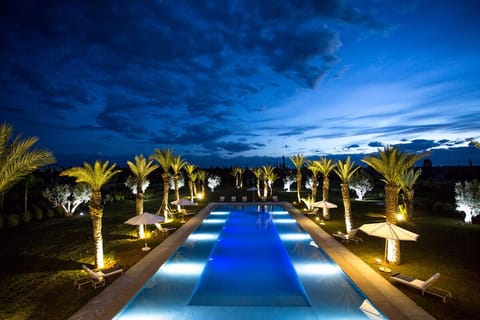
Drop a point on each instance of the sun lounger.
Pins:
(233, 199)
(347, 237)
(423, 286)
(275, 198)
(97, 278)
(244, 198)
(222, 199)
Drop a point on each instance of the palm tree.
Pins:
(297, 161)
(325, 166)
(314, 167)
(391, 164)
(165, 160)
(258, 173)
(189, 169)
(141, 169)
(407, 181)
(177, 165)
(270, 177)
(202, 176)
(345, 171)
(18, 159)
(95, 177)
(237, 172)
(194, 177)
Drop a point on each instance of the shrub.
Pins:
(38, 214)
(50, 213)
(13, 220)
(26, 216)
(58, 211)
(444, 209)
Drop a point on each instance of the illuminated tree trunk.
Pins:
(346, 204)
(164, 206)
(177, 193)
(408, 202)
(314, 188)
(139, 207)
(190, 186)
(326, 187)
(96, 213)
(258, 188)
(391, 204)
(265, 188)
(299, 184)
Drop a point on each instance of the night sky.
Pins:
(242, 82)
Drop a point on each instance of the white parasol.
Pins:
(145, 219)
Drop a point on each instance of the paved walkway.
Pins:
(392, 302)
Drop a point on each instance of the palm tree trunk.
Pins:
(190, 187)
(408, 202)
(391, 205)
(265, 188)
(177, 193)
(96, 213)
(347, 206)
(299, 184)
(139, 208)
(163, 207)
(326, 187)
(314, 188)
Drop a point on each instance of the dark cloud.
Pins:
(375, 144)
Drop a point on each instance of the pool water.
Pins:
(247, 262)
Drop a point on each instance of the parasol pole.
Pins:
(146, 248)
(386, 245)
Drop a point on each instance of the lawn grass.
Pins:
(41, 260)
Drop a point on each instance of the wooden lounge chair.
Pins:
(423, 286)
(347, 237)
(97, 278)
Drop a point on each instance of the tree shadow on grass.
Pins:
(24, 263)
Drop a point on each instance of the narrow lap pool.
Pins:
(247, 262)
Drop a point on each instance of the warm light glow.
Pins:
(200, 196)
(294, 236)
(400, 217)
(378, 261)
(316, 269)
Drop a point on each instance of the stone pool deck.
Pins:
(391, 301)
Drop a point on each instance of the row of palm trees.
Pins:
(100, 173)
(18, 159)
(396, 168)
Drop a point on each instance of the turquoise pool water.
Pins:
(247, 262)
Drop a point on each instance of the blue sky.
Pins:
(242, 82)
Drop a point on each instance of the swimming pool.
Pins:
(247, 262)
